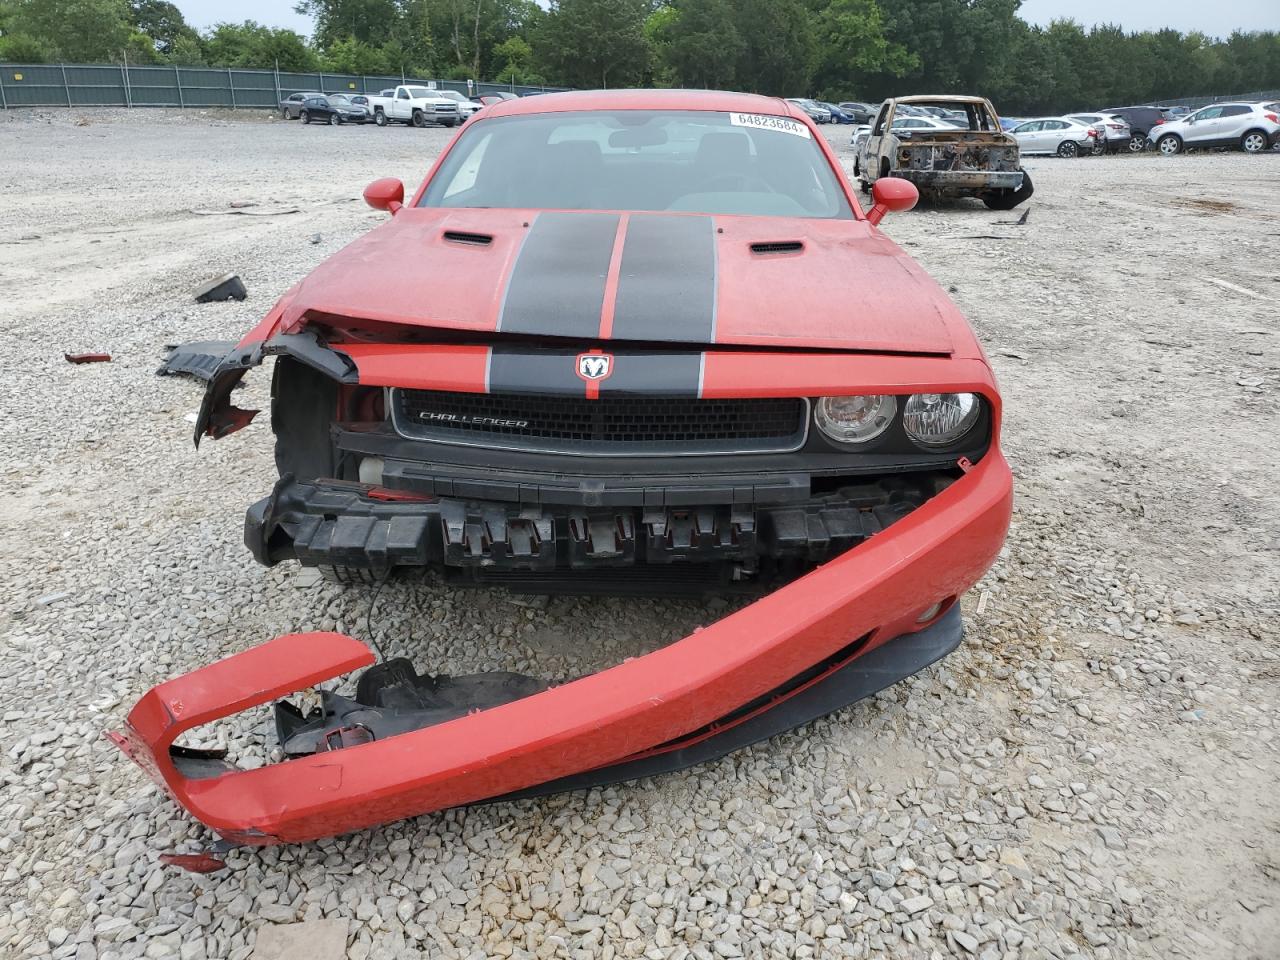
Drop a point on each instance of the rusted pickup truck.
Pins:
(947, 146)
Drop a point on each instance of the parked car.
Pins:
(860, 112)
(494, 407)
(291, 106)
(816, 112)
(837, 115)
(466, 106)
(414, 105)
(1273, 107)
(1141, 121)
(1250, 127)
(940, 158)
(1176, 112)
(318, 108)
(1056, 135)
(1113, 130)
(349, 107)
(489, 99)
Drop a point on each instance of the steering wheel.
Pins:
(738, 183)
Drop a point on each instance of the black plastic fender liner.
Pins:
(856, 680)
(218, 417)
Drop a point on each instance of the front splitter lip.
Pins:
(878, 589)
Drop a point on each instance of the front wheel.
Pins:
(334, 120)
(1137, 142)
(1008, 199)
(449, 123)
(1169, 145)
(284, 113)
(418, 119)
(380, 118)
(306, 117)
(1255, 141)
(1068, 149)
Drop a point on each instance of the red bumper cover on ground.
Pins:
(878, 588)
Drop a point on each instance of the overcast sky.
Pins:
(1216, 19)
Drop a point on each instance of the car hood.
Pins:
(641, 277)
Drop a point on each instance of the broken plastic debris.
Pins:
(87, 357)
(229, 286)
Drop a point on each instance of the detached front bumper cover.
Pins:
(840, 633)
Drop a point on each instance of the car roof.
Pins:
(575, 100)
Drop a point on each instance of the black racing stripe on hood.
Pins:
(667, 284)
(654, 374)
(525, 370)
(556, 288)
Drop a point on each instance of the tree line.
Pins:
(830, 49)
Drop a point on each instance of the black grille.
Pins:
(621, 426)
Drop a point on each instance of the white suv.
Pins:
(1250, 127)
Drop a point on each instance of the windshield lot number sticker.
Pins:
(764, 122)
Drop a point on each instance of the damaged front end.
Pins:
(871, 557)
(405, 744)
(541, 466)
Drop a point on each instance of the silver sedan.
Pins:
(1055, 135)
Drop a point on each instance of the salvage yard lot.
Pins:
(1093, 773)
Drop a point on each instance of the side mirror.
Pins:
(890, 195)
(385, 194)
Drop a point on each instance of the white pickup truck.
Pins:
(415, 105)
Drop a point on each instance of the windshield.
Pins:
(687, 161)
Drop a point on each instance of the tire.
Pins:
(380, 118)
(419, 120)
(1137, 142)
(449, 123)
(1008, 199)
(351, 576)
(1253, 141)
(864, 186)
(284, 113)
(1068, 149)
(1169, 145)
(305, 116)
(335, 120)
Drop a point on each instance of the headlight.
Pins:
(940, 419)
(855, 419)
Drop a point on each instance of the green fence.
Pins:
(105, 85)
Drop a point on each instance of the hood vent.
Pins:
(777, 246)
(475, 239)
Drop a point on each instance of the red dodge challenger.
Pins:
(685, 359)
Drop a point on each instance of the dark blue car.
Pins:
(837, 114)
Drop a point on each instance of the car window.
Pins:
(420, 93)
(402, 94)
(660, 160)
(1235, 110)
(1208, 113)
(1031, 126)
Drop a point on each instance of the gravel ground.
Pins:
(1093, 774)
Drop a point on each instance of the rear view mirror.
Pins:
(385, 194)
(890, 195)
(645, 136)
